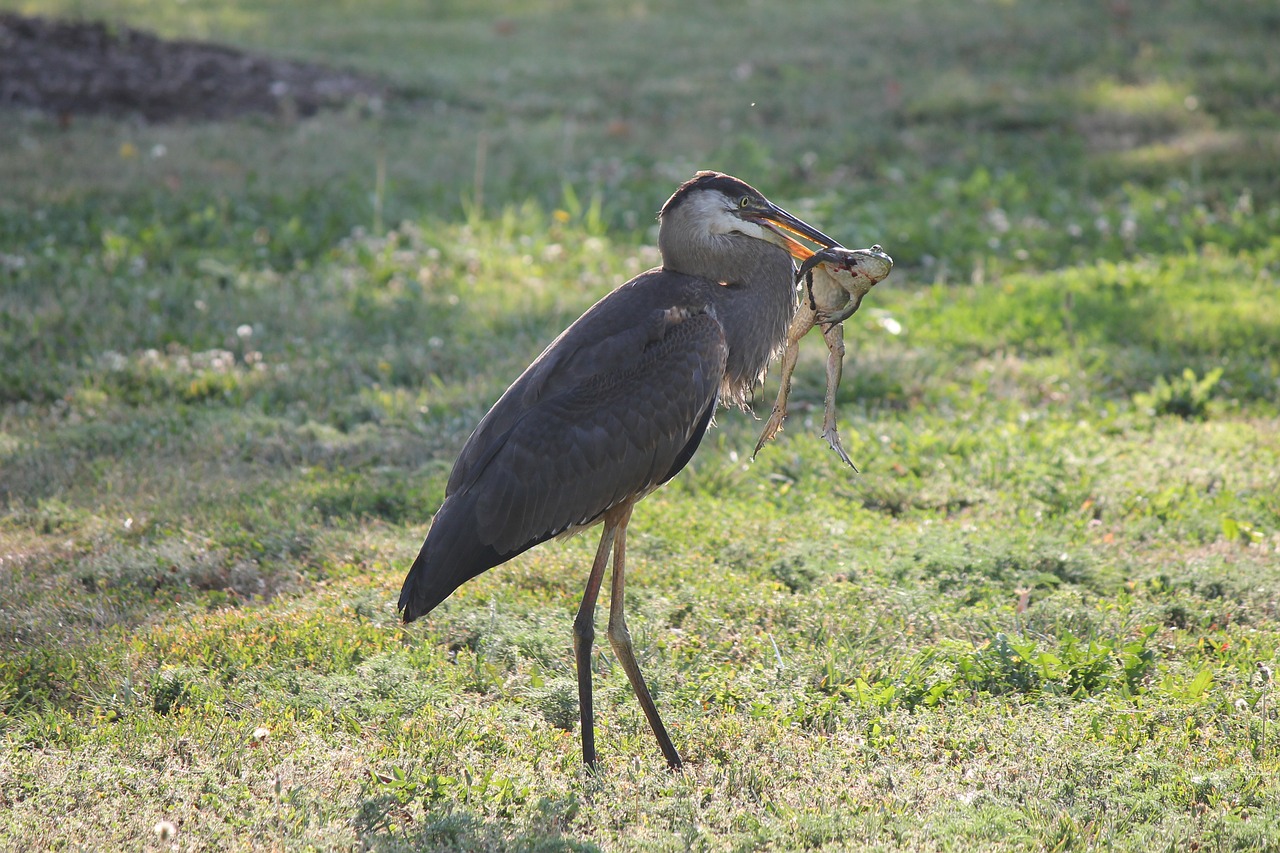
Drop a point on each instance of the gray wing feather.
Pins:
(593, 422)
(613, 408)
(609, 338)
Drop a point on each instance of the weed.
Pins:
(1186, 396)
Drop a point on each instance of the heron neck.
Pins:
(751, 289)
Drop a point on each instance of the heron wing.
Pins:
(610, 338)
(614, 436)
(612, 409)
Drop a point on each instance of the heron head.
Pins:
(712, 204)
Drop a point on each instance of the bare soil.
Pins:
(68, 68)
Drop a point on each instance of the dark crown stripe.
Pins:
(726, 184)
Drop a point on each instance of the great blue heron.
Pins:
(616, 406)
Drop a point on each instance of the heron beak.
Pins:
(781, 222)
(798, 250)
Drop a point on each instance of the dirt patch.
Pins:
(70, 68)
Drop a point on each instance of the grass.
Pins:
(235, 367)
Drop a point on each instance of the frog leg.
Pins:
(799, 327)
(827, 319)
(834, 337)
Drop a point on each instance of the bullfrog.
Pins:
(834, 282)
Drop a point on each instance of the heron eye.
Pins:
(744, 202)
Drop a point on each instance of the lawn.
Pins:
(237, 360)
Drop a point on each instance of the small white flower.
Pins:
(890, 325)
(998, 219)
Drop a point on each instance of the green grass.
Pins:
(235, 370)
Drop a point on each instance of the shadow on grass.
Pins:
(462, 831)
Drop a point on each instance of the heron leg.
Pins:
(620, 639)
(584, 634)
